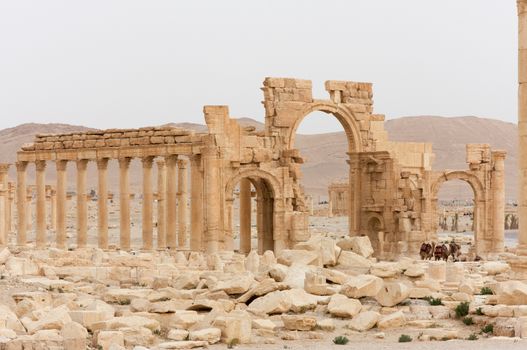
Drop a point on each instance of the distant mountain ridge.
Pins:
(326, 153)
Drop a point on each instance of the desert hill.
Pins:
(326, 153)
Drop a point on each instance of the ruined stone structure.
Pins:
(390, 196)
(486, 178)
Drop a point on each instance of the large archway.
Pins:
(241, 218)
(478, 211)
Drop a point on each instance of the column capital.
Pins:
(182, 163)
(82, 164)
(102, 163)
(4, 167)
(40, 165)
(148, 162)
(61, 164)
(124, 162)
(160, 163)
(522, 6)
(171, 159)
(21, 165)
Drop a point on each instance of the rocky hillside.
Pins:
(326, 153)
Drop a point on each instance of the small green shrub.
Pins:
(488, 329)
(473, 336)
(434, 301)
(462, 309)
(468, 321)
(405, 338)
(341, 340)
(479, 311)
(124, 302)
(486, 291)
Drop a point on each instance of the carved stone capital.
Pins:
(21, 166)
(82, 164)
(148, 162)
(40, 165)
(102, 163)
(182, 163)
(124, 162)
(61, 165)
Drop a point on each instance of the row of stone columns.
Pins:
(172, 218)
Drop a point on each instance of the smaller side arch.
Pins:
(466, 176)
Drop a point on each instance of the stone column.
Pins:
(102, 203)
(161, 204)
(124, 202)
(354, 213)
(4, 182)
(171, 205)
(260, 223)
(40, 166)
(21, 203)
(148, 199)
(522, 124)
(330, 204)
(53, 208)
(61, 203)
(182, 198)
(29, 207)
(245, 216)
(196, 202)
(3, 228)
(498, 196)
(9, 209)
(212, 198)
(82, 204)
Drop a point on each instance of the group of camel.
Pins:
(440, 251)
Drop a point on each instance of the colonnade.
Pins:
(172, 200)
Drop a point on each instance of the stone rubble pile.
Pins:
(89, 298)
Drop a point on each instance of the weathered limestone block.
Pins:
(8, 319)
(105, 339)
(118, 295)
(362, 286)
(263, 323)
(177, 334)
(359, 244)
(186, 344)
(53, 319)
(495, 267)
(299, 322)
(353, 260)
(512, 293)
(392, 320)
(236, 325)
(385, 269)
(437, 270)
(520, 328)
(278, 272)
(392, 293)
(4, 255)
(315, 283)
(273, 303)
(132, 321)
(75, 336)
(289, 256)
(210, 335)
(325, 247)
(364, 321)
(300, 300)
(185, 319)
(238, 284)
(344, 307)
(326, 324)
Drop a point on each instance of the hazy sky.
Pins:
(130, 63)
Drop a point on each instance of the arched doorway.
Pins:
(252, 201)
(375, 227)
(452, 209)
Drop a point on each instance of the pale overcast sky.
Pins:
(131, 63)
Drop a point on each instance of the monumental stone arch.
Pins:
(485, 177)
(389, 184)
